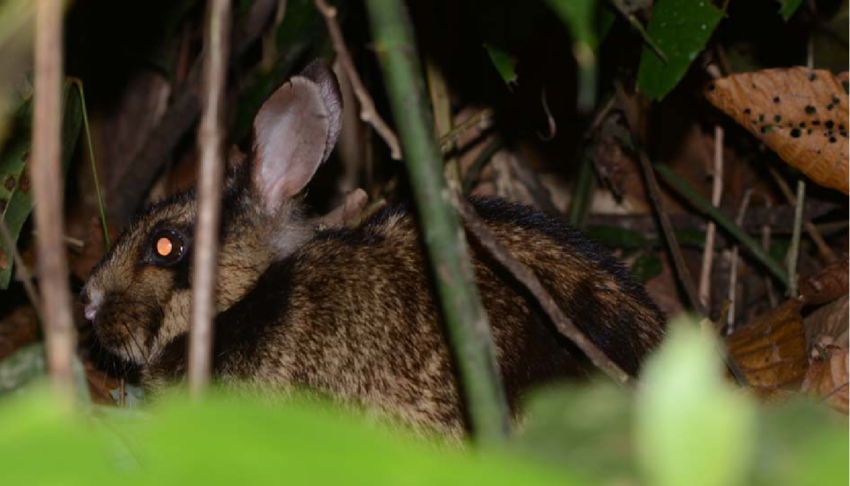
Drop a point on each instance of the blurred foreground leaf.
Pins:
(234, 441)
(692, 427)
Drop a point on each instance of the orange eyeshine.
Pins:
(164, 246)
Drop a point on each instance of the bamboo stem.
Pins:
(211, 148)
(47, 186)
(467, 323)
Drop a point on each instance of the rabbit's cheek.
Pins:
(128, 328)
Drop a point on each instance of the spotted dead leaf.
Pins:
(771, 351)
(827, 378)
(798, 112)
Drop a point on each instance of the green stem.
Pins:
(79, 84)
(467, 324)
(582, 194)
(707, 208)
(794, 251)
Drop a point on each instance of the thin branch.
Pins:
(467, 324)
(530, 281)
(22, 270)
(733, 271)
(824, 249)
(482, 120)
(794, 250)
(711, 230)
(654, 192)
(368, 113)
(211, 147)
(47, 185)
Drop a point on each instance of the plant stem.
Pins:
(467, 323)
(47, 186)
(794, 251)
(211, 148)
(703, 205)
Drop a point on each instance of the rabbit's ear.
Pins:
(294, 132)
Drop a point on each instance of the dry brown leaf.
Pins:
(828, 325)
(771, 351)
(826, 286)
(798, 112)
(828, 378)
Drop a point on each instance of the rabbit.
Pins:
(351, 313)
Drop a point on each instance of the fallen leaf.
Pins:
(800, 113)
(828, 378)
(771, 351)
(828, 325)
(826, 286)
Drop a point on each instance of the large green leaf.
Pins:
(236, 441)
(681, 29)
(16, 198)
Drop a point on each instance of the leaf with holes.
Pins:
(16, 199)
(798, 112)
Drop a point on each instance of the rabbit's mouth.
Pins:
(125, 328)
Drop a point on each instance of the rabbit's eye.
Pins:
(167, 247)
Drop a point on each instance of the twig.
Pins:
(22, 270)
(700, 203)
(765, 245)
(824, 249)
(620, 7)
(794, 250)
(106, 243)
(483, 120)
(466, 322)
(733, 271)
(474, 170)
(654, 193)
(211, 148)
(716, 194)
(442, 111)
(368, 113)
(47, 185)
(530, 281)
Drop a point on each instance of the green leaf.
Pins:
(503, 63)
(788, 7)
(646, 266)
(600, 415)
(801, 442)
(692, 427)
(681, 29)
(16, 198)
(615, 237)
(237, 441)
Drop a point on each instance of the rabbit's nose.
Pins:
(90, 307)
